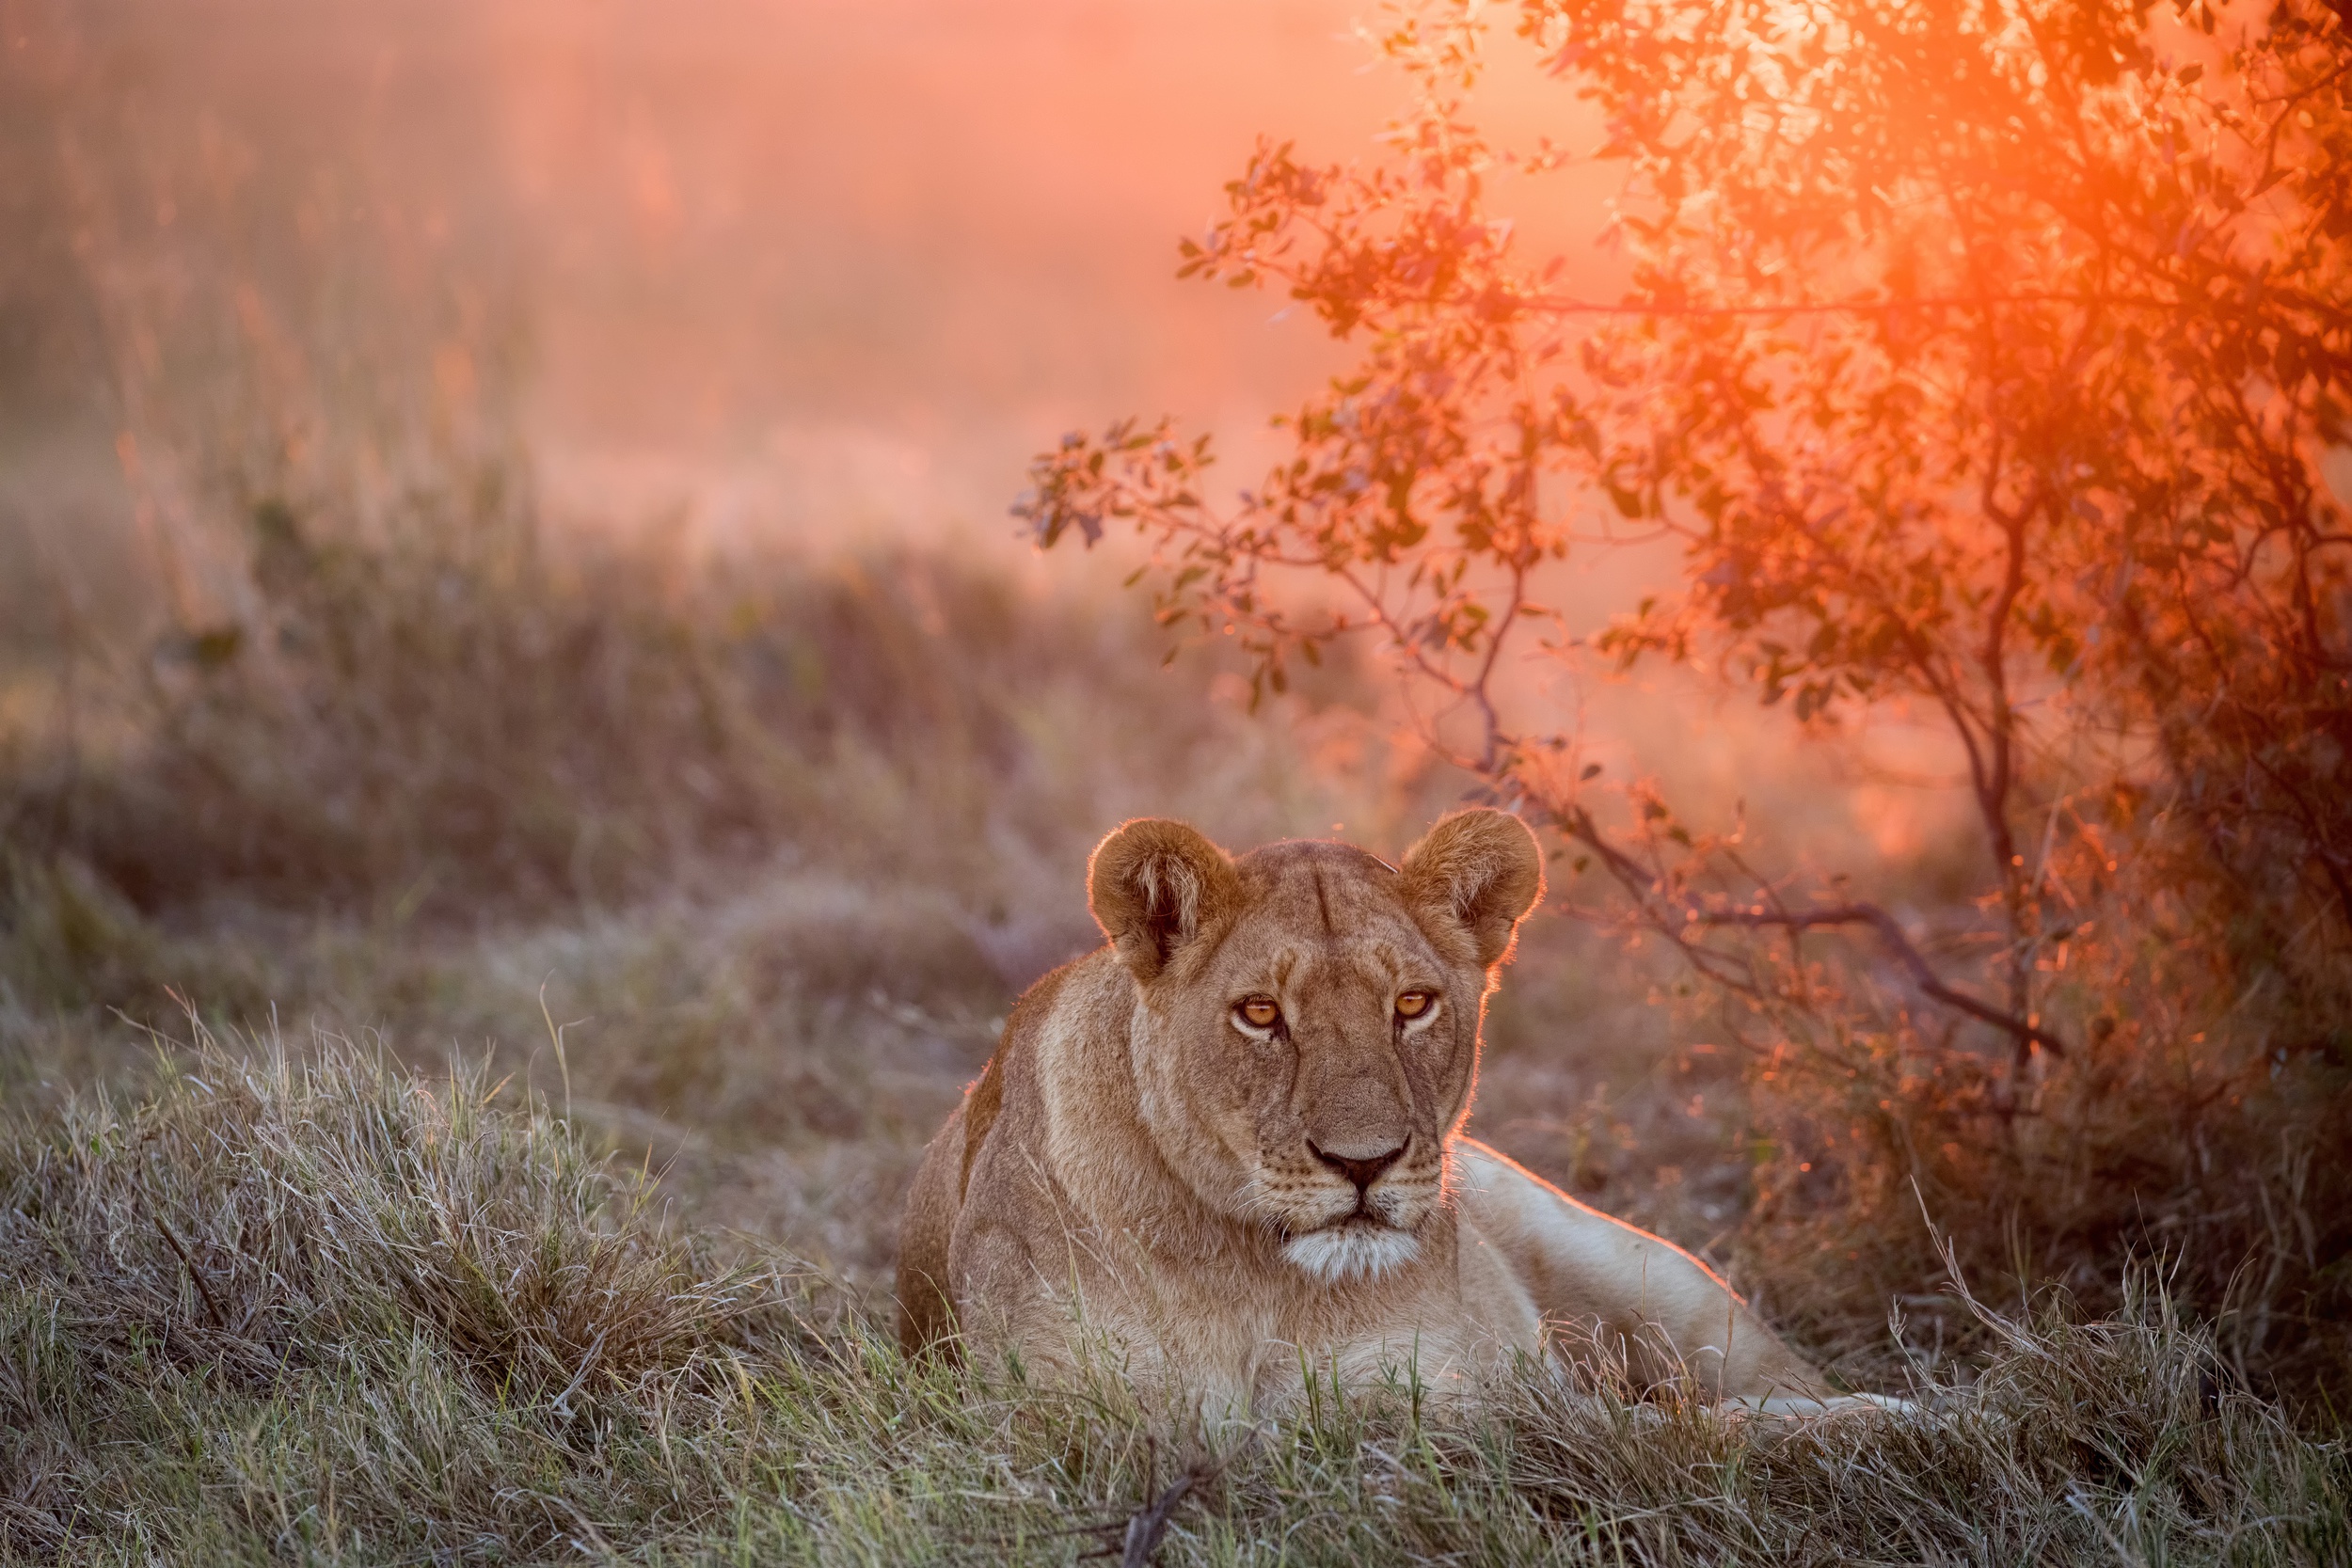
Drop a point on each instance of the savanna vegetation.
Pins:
(473, 984)
(1982, 365)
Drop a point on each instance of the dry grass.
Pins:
(781, 1052)
(777, 841)
(272, 1305)
(328, 1311)
(780, 913)
(454, 711)
(2217, 1154)
(778, 838)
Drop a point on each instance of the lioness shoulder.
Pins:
(1228, 1144)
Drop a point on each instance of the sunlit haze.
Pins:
(801, 265)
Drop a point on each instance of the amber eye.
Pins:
(1260, 1012)
(1413, 1004)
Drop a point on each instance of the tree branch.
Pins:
(1578, 824)
(1891, 932)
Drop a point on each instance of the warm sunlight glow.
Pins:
(1187, 780)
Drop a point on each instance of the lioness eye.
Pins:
(1258, 1012)
(1413, 1004)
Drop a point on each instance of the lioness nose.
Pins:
(1362, 1172)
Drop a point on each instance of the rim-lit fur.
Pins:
(1232, 1139)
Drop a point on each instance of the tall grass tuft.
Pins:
(330, 1311)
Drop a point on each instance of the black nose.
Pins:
(1362, 1172)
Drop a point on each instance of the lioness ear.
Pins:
(1477, 871)
(1154, 886)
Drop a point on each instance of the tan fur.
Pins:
(1141, 1171)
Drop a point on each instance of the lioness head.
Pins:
(1306, 1031)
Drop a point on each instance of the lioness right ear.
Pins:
(1154, 886)
(1476, 873)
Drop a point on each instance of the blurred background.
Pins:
(504, 548)
(829, 271)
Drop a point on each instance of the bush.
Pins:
(1984, 371)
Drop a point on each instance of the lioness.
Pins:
(1228, 1145)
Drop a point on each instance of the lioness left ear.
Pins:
(1478, 872)
(1155, 885)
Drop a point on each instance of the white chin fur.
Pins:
(1345, 1251)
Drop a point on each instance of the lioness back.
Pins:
(926, 1312)
(1228, 1144)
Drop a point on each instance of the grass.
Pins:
(782, 1052)
(316, 1308)
(361, 741)
(777, 838)
(618, 1290)
(450, 712)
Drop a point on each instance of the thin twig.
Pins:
(1890, 931)
(1146, 1526)
(1579, 825)
(212, 1307)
